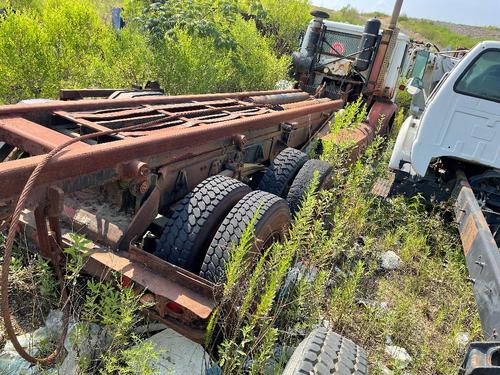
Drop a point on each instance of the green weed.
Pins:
(438, 34)
(117, 309)
(334, 249)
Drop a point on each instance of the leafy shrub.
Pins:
(257, 65)
(24, 59)
(183, 65)
(198, 17)
(190, 47)
(66, 44)
(283, 21)
(205, 46)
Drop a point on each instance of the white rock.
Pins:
(400, 354)
(390, 261)
(462, 339)
(326, 323)
(54, 323)
(386, 371)
(85, 342)
(11, 363)
(178, 354)
(30, 341)
(70, 365)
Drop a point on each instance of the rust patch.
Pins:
(468, 234)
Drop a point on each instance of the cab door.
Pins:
(473, 131)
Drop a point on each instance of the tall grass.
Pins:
(334, 250)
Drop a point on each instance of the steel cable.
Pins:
(23, 197)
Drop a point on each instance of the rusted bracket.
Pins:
(54, 212)
(146, 213)
(50, 241)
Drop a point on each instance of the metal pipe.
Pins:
(395, 14)
(78, 162)
(277, 99)
(90, 104)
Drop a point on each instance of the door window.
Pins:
(420, 64)
(482, 77)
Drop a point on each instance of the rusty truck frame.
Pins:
(205, 135)
(113, 168)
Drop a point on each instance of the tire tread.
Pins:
(182, 236)
(283, 169)
(325, 352)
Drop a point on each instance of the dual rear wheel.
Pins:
(214, 216)
(212, 219)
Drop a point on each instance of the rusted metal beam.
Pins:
(31, 137)
(148, 109)
(82, 122)
(280, 98)
(98, 158)
(481, 255)
(82, 105)
(173, 283)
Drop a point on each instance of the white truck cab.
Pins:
(461, 119)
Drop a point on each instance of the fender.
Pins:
(404, 142)
(363, 133)
(385, 111)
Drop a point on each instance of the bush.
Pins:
(66, 44)
(24, 59)
(189, 47)
(283, 21)
(205, 46)
(256, 64)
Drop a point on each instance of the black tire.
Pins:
(283, 169)
(190, 229)
(270, 225)
(303, 180)
(324, 352)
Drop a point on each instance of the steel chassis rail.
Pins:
(483, 263)
(192, 138)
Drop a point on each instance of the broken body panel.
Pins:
(458, 122)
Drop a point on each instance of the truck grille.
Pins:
(344, 44)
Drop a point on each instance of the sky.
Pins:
(468, 12)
